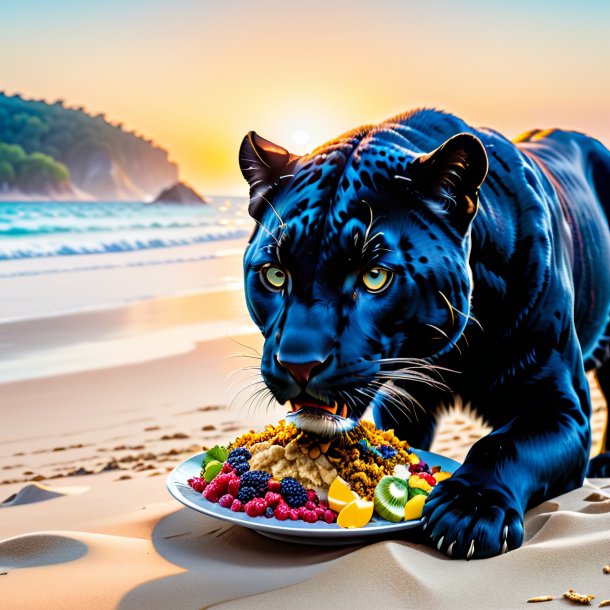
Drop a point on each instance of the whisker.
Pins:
(389, 387)
(273, 237)
(420, 364)
(442, 332)
(465, 315)
(394, 396)
(246, 346)
(282, 223)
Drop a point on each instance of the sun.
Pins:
(301, 137)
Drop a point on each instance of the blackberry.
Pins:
(245, 494)
(293, 492)
(240, 452)
(387, 452)
(236, 460)
(269, 512)
(240, 467)
(256, 479)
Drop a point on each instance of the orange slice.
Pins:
(441, 475)
(356, 514)
(340, 495)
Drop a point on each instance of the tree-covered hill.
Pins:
(50, 150)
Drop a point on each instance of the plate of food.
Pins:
(292, 485)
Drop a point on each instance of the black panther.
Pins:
(404, 263)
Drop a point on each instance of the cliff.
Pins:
(53, 151)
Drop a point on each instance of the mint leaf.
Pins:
(217, 452)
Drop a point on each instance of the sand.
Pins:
(86, 520)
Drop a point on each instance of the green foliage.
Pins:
(37, 171)
(11, 153)
(31, 173)
(70, 142)
(216, 453)
(7, 173)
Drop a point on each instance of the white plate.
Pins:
(292, 531)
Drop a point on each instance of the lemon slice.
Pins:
(414, 507)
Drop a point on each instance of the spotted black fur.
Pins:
(499, 258)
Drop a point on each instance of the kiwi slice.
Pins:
(391, 495)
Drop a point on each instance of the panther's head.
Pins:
(357, 270)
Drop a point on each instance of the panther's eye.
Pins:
(377, 279)
(273, 277)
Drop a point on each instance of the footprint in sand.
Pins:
(39, 550)
(598, 502)
(39, 493)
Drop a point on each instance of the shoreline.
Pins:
(55, 286)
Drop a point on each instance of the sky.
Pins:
(197, 75)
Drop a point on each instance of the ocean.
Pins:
(44, 229)
(88, 285)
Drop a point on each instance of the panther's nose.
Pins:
(301, 371)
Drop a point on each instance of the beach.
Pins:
(117, 367)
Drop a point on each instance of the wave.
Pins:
(43, 229)
(124, 244)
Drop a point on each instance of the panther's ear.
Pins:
(452, 174)
(262, 163)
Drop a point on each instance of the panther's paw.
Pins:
(468, 521)
(599, 466)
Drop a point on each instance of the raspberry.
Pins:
(323, 504)
(197, 483)
(233, 486)
(226, 501)
(213, 493)
(309, 516)
(218, 487)
(312, 496)
(240, 452)
(237, 506)
(320, 512)
(282, 512)
(245, 494)
(257, 479)
(330, 516)
(301, 511)
(255, 507)
(273, 485)
(293, 492)
(222, 481)
(428, 478)
(268, 512)
(309, 505)
(226, 468)
(294, 514)
(273, 499)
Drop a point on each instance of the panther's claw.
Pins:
(470, 550)
(480, 521)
